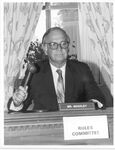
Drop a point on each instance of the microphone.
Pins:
(31, 69)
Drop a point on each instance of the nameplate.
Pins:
(85, 127)
(77, 106)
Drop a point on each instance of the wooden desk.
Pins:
(46, 128)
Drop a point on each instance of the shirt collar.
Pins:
(55, 68)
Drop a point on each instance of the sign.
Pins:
(77, 106)
(85, 127)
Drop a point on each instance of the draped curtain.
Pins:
(96, 36)
(20, 20)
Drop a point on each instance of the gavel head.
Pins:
(32, 68)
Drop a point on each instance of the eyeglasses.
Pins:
(54, 45)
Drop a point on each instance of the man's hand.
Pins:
(20, 95)
(99, 104)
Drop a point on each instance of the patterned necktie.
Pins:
(60, 87)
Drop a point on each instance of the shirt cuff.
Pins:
(14, 108)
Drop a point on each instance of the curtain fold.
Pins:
(96, 36)
(20, 21)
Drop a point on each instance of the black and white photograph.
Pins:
(58, 86)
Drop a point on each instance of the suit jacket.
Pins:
(80, 86)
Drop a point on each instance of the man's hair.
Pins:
(54, 29)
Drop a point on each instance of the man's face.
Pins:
(57, 47)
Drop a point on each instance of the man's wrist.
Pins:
(15, 108)
(17, 104)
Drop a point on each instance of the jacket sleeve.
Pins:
(92, 90)
(26, 103)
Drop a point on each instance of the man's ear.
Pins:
(44, 47)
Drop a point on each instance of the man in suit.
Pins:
(73, 82)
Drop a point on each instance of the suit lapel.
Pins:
(49, 78)
(69, 83)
